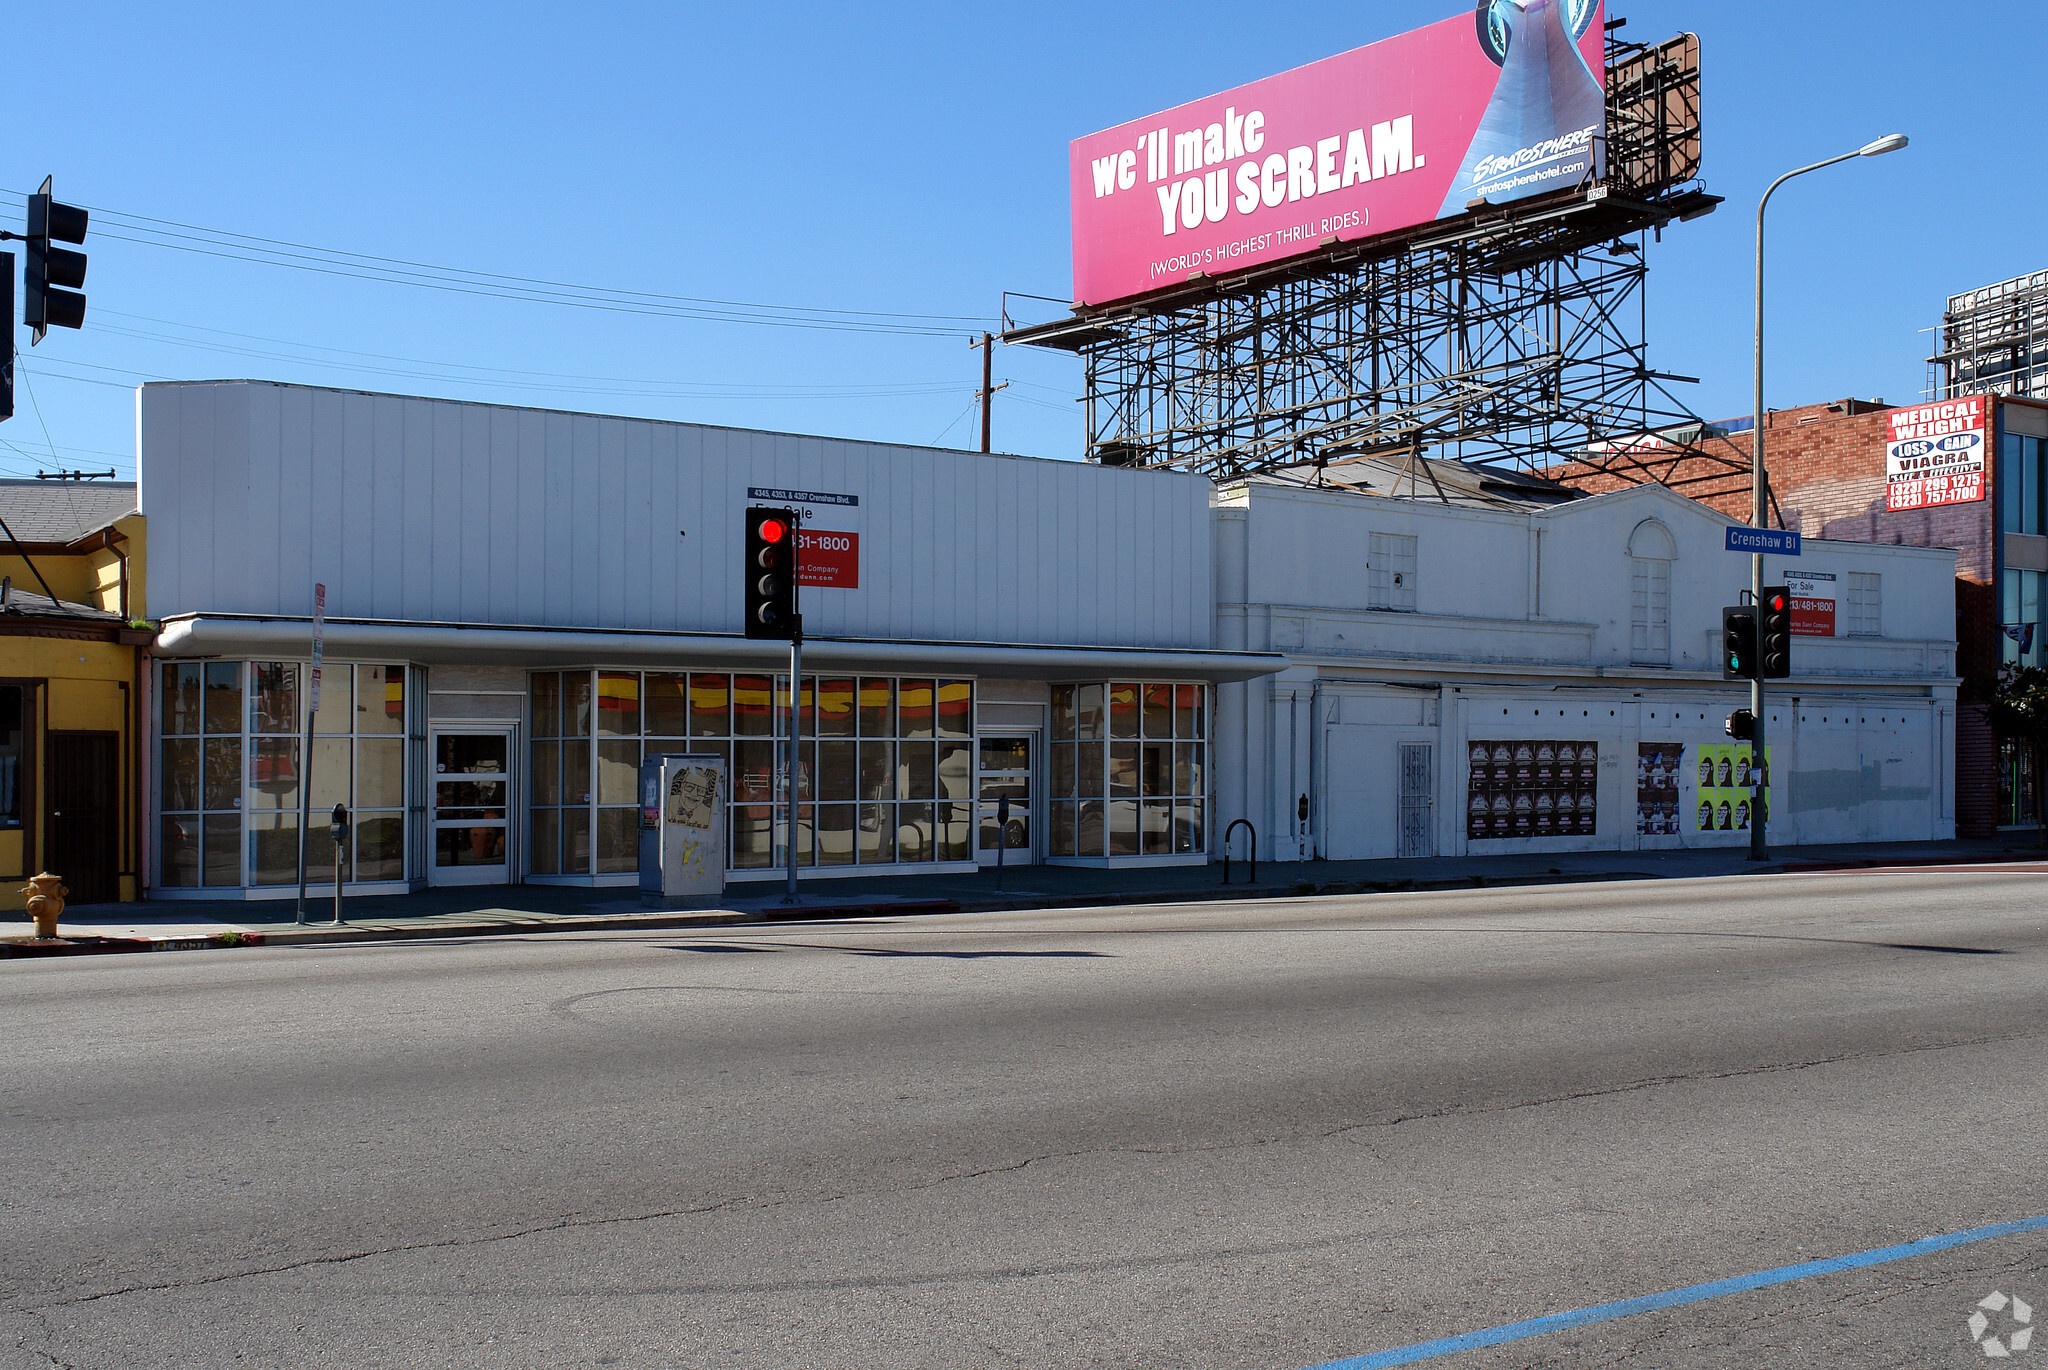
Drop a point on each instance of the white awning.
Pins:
(449, 644)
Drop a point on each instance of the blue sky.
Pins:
(884, 160)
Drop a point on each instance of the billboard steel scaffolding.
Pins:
(1994, 341)
(1512, 334)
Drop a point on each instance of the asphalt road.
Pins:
(1238, 1135)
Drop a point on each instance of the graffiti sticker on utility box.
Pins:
(1934, 454)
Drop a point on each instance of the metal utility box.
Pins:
(682, 826)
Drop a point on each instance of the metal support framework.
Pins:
(1513, 335)
(1994, 340)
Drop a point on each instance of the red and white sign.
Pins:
(1934, 454)
(827, 559)
(1813, 603)
(1382, 138)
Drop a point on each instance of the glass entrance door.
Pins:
(472, 796)
(1004, 770)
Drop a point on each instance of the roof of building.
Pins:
(16, 602)
(64, 510)
(1432, 479)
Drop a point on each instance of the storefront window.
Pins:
(12, 756)
(224, 823)
(887, 775)
(2019, 607)
(2022, 483)
(1142, 791)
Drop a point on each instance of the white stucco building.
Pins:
(521, 604)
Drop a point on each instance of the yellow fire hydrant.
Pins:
(45, 901)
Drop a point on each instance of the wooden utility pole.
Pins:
(988, 390)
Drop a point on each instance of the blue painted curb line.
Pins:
(1672, 1298)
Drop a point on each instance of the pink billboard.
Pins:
(1499, 105)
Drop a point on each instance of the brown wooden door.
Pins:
(85, 814)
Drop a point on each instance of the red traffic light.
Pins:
(773, 530)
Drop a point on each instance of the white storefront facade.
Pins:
(523, 604)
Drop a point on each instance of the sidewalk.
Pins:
(187, 925)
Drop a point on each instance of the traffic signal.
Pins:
(1774, 633)
(1738, 643)
(49, 284)
(770, 574)
(6, 335)
(1741, 725)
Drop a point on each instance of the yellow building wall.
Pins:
(91, 577)
(84, 694)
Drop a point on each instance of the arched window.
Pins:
(1651, 550)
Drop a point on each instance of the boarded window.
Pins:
(1390, 572)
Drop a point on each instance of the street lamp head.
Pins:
(1891, 142)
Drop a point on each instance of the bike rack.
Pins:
(1246, 824)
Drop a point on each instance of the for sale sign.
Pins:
(1934, 454)
(1813, 602)
(828, 559)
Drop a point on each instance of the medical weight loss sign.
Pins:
(1934, 454)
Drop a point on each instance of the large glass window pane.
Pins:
(955, 832)
(914, 837)
(223, 697)
(1062, 712)
(666, 698)
(956, 770)
(754, 771)
(274, 773)
(181, 699)
(915, 779)
(1123, 710)
(1159, 711)
(711, 705)
(1187, 769)
(547, 704)
(618, 704)
(1123, 768)
(179, 850)
(1089, 828)
(181, 775)
(1156, 824)
(914, 708)
(1089, 720)
(576, 720)
(331, 777)
(223, 848)
(1189, 834)
(482, 845)
(618, 840)
(274, 697)
(2010, 456)
(337, 701)
(380, 772)
(575, 841)
(222, 788)
(1123, 827)
(546, 852)
(1062, 836)
(1063, 756)
(878, 708)
(618, 773)
(877, 834)
(877, 770)
(835, 834)
(274, 848)
(1188, 711)
(753, 707)
(575, 773)
(836, 771)
(545, 777)
(380, 699)
(955, 708)
(472, 754)
(380, 845)
(1155, 767)
(835, 707)
(1088, 772)
(753, 835)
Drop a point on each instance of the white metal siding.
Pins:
(435, 510)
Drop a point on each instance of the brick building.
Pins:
(1828, 479)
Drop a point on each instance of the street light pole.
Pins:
(1759, 845)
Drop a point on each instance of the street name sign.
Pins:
(1782, 542)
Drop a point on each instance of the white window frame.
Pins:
(1390, 572)
(1866, 604)
(1649, 634)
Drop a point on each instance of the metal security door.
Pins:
(472, 798)
(1418, 799)
(1004, 770)
(85, 818)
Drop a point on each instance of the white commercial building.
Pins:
(522, 604)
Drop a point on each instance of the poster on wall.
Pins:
(1813, 603)
(1724, 791)
(1659, 768)
(1531, 789)
(1934, 454)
